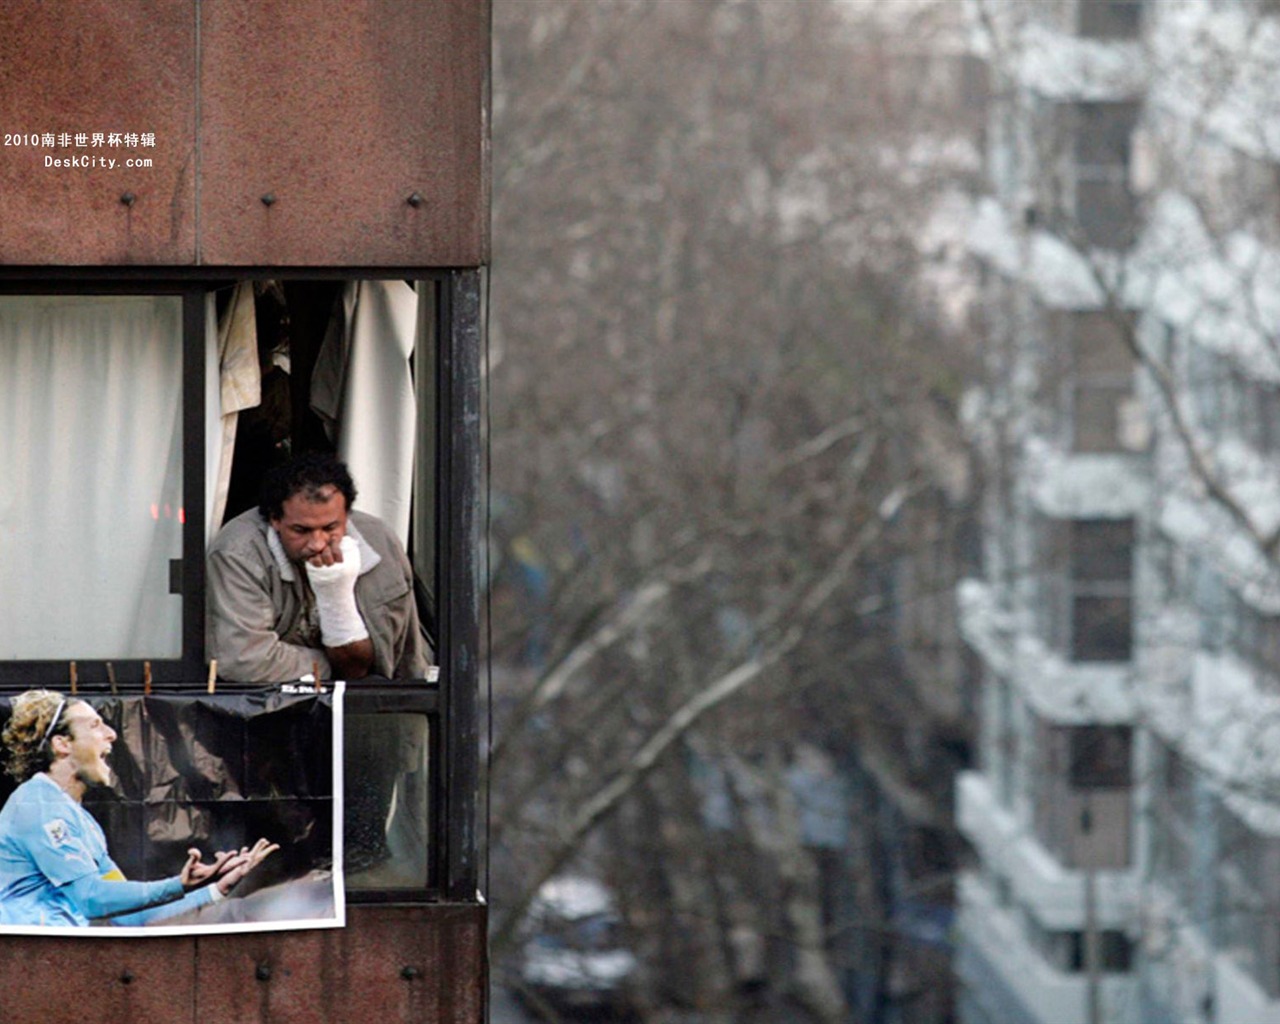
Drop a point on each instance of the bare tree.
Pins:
(716, 400)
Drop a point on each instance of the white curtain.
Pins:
(91, 463)
(362, 387)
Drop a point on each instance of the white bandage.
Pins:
(335, 589)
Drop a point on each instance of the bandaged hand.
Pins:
(334, 587)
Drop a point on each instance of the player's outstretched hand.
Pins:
(196, 873)
(243, 862)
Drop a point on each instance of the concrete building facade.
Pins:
(1125, 813)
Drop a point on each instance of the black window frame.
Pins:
(450, 701)
(190, 574)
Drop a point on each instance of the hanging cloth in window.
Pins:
(362, 388)
(239, 380)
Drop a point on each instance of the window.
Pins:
(1100, 574)
(1000, 745)
(1255, 638)
(1066, 951)
(1248, 898)
(1209, 385)
(120, 463)
(1083, 804)
(1110, 19)
(1260, 402)
(1102, 206)
(1099, 757)
(1229, 401)
(95, 520)
(1099, 381)
(1173, 824)
(387, 784)
(1085, 606)
(92, 454)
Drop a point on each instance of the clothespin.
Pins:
(213, 674)
(146, 679)
(74, 679)
(111, 678)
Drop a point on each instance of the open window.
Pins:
(342, 366)
(119, 464)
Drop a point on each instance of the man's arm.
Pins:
(332, 576)
(351, 661)
(138, 902)
(242, 632)
(202, 883)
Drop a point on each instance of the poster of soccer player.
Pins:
(173, 813)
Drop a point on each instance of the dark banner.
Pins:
(216, 812)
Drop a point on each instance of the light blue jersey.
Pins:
(55, 868)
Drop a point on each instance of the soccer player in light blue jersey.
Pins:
(54, 865)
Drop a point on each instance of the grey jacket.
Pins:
(261, 622)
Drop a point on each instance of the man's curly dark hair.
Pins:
(308, 474)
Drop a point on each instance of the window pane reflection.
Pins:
(386, 833)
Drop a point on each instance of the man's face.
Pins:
(312, 525)
(89, 740)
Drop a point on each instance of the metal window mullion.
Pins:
(193, 483)
(457, 578)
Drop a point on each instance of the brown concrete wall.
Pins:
(390, 965)
(339, 111)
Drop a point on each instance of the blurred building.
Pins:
(1125, 813)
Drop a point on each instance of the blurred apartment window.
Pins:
(1264, 417)
(1100, 143)
(1100, 757)
(1228, 400)
(1248, 900)
(1110, 19)
(1065, 950)
(1207, 373)
(1259, 412)
(1083, 802)
(1002, 888)
(1209, 594)
(1099, 381)
(1255, 638)
(1006, 742)
(1173, 823)
(999, 748)
(1086, 587)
